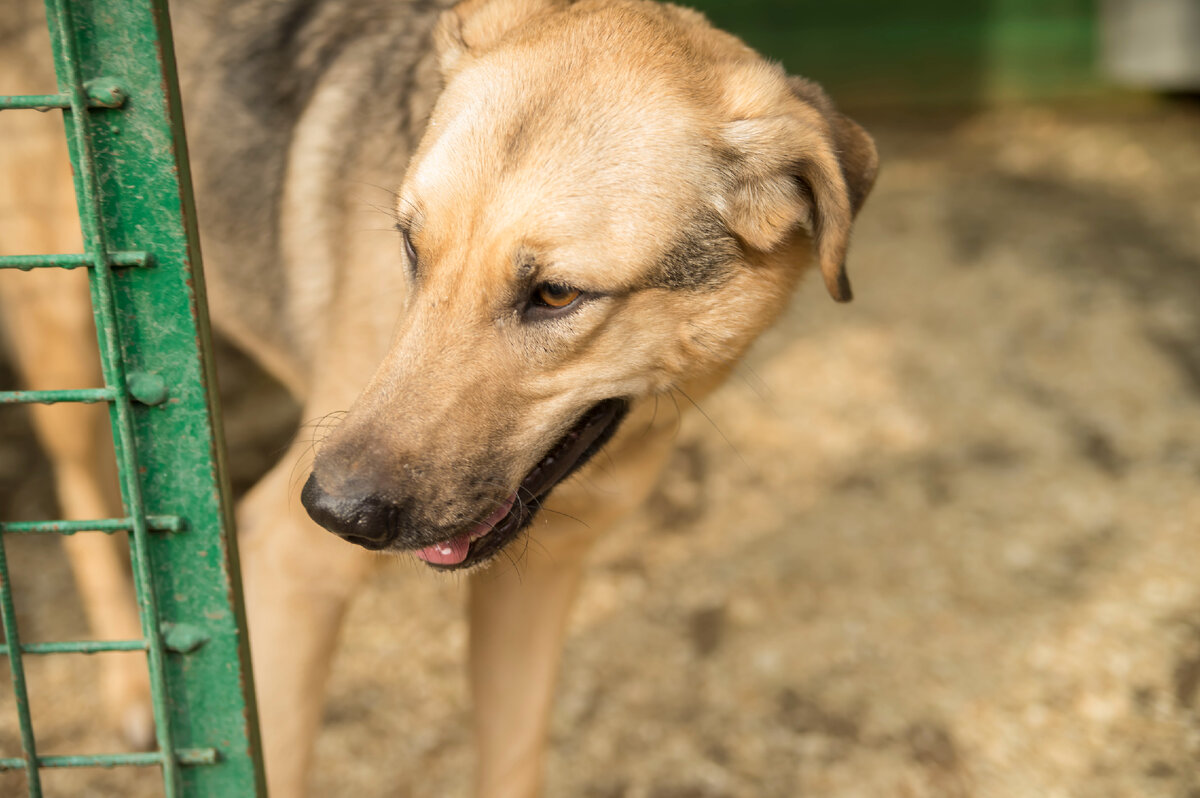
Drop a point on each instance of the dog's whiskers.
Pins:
(568, 516)
(678, 414)
(758, 386)
(603, 470)
(709, 419)
(653, 418)
(515, 562)
(318, 426)
(389, 191)
(386, 211)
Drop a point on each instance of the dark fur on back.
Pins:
(250, 70)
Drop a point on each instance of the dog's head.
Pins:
(612, 200)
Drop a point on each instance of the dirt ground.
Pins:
(942, 542)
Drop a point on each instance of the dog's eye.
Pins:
(555, 296)
(409, 251)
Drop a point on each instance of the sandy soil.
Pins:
(941, 542)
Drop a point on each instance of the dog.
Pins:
(597, 202)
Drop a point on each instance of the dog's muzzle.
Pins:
(376, 523)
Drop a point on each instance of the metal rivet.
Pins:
(183, 638)
(147, 387)
(105, 92)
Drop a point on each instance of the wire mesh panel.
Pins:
(119, 98)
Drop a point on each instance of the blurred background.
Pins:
(944, 541)
(975, 52)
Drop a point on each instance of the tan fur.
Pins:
(586, 144)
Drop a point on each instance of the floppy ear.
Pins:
(475, 25)
(798, 164)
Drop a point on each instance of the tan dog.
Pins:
(609, 202)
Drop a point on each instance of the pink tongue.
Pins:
(454, 550)
(449, 552)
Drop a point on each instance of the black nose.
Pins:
(362, 520)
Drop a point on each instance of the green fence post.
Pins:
(120, 100)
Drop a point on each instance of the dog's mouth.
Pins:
(489, 536)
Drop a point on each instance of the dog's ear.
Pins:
(796, 162)
(475, 25)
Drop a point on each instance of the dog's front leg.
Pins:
(519, 612)
(518, 619)
(299, 580)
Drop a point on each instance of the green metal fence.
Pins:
(119, 98)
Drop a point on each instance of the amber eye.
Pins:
(556, 296)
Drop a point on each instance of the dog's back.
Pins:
(277, 95)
